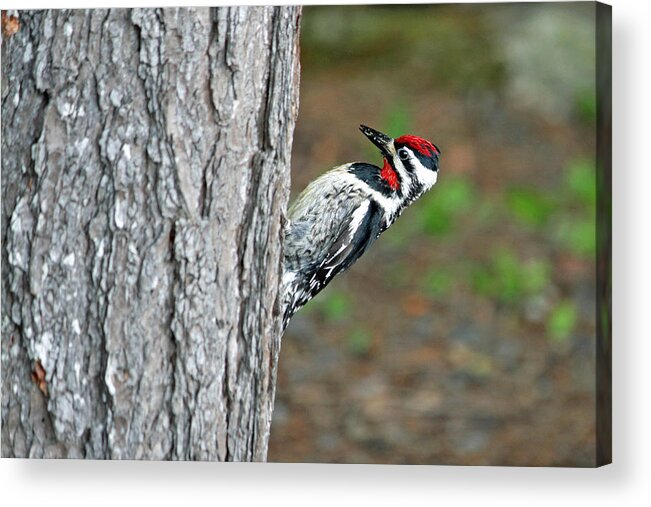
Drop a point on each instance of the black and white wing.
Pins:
(357, 234)
(351, 237)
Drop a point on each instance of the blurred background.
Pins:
(466, 335)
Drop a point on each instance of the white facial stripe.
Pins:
(425, 176)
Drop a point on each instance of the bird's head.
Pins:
(411, 163)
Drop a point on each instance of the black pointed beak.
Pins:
(379, 139)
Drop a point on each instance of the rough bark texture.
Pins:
(145, 174)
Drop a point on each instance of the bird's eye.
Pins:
(403, 154)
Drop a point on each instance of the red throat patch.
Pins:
(389, 175)
(422, 146)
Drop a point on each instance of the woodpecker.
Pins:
(340, 214)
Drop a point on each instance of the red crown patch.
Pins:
(422, 146)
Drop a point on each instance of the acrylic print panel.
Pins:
(467, 334)
(145, 188)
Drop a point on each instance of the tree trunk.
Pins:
(145, 177)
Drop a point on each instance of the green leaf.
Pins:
(578, 235)
(335, 307)
(583, 237)
(562, 321)
(508, 279)
(529, 206)
(581, 180)
(507, 274)
(536, 275)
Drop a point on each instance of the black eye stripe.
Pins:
(428, 162)
(408, 164)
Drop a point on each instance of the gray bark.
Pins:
(145, 177)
